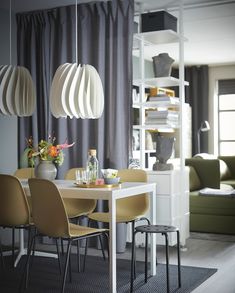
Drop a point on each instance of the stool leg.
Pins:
(167, 263)
(178, 252)
(133, 231)
(132, 261)
(146, 257)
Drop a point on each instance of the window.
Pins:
(226, 115)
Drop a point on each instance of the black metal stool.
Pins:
(164, 230)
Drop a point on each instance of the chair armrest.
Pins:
(207, 170)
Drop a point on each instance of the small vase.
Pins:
(46, 170)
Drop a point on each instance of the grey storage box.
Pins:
(156, 21)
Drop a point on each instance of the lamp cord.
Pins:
(76, 31)
(10, 33)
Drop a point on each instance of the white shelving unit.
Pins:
(172, 186)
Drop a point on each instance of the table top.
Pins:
(68, 189)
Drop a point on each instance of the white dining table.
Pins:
(68, 189)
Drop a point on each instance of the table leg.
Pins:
(153, 235)
(22, 250)
(112, 245)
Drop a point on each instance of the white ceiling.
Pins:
(209, 26)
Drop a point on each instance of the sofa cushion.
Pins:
(229, 182)
(194, 181)
(211, 205)
(224, 170)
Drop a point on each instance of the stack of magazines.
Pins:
(161, 117)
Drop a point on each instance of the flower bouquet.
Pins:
(46, 150)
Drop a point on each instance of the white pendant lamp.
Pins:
(17, 92)
(76, 91)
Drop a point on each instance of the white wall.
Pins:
(8, 124)
(216, 73)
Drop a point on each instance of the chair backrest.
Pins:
(74, 204)
(71, 173)
(48, 209)
(24, 173)
(135, 205)
(14, 208)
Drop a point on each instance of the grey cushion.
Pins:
(224, 170)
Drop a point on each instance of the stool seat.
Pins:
(156, 229)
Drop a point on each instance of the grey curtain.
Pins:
(197, 95)
(45, 40)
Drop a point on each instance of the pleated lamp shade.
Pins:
(17, 92)
(76, 91)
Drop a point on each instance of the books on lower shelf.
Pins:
(161, 116)
(161, 98)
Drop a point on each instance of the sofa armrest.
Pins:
(207, 170)
(230, 162)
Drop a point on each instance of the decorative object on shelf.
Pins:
(157, 21)
(48, 152)
(154, 91)
(148, 141)
(164, 150)
(76, 90)
(134, 163)
(17, 92)
(205, 126)
(162, 64)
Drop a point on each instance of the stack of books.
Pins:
(161, 98)
(161, 117)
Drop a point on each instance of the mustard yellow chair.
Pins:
(25, 173)
(46, 198)
(14, 207)
(129, 209)
(76, 208)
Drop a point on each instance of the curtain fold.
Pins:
(197, 95)
(45, 40)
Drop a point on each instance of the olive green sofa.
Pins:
(214, 213)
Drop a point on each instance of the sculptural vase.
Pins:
(46, 170)
(162, 64)
(163, 153)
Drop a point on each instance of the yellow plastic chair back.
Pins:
(77, 207)
(49, 214)
(14, 208)
(24, 173)
(134, 205)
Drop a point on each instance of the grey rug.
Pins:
(45, 277)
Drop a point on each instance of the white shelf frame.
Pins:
(154, 38)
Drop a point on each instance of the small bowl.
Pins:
(114, 180)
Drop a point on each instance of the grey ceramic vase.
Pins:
(162, 65)
(46, 170)
(163, 153)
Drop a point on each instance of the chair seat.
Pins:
(79, 231)
(120, 218)
(155, 229)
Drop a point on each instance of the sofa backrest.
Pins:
(208, 172)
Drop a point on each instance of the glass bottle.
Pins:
(93, 165)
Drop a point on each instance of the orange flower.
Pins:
(52, 151)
